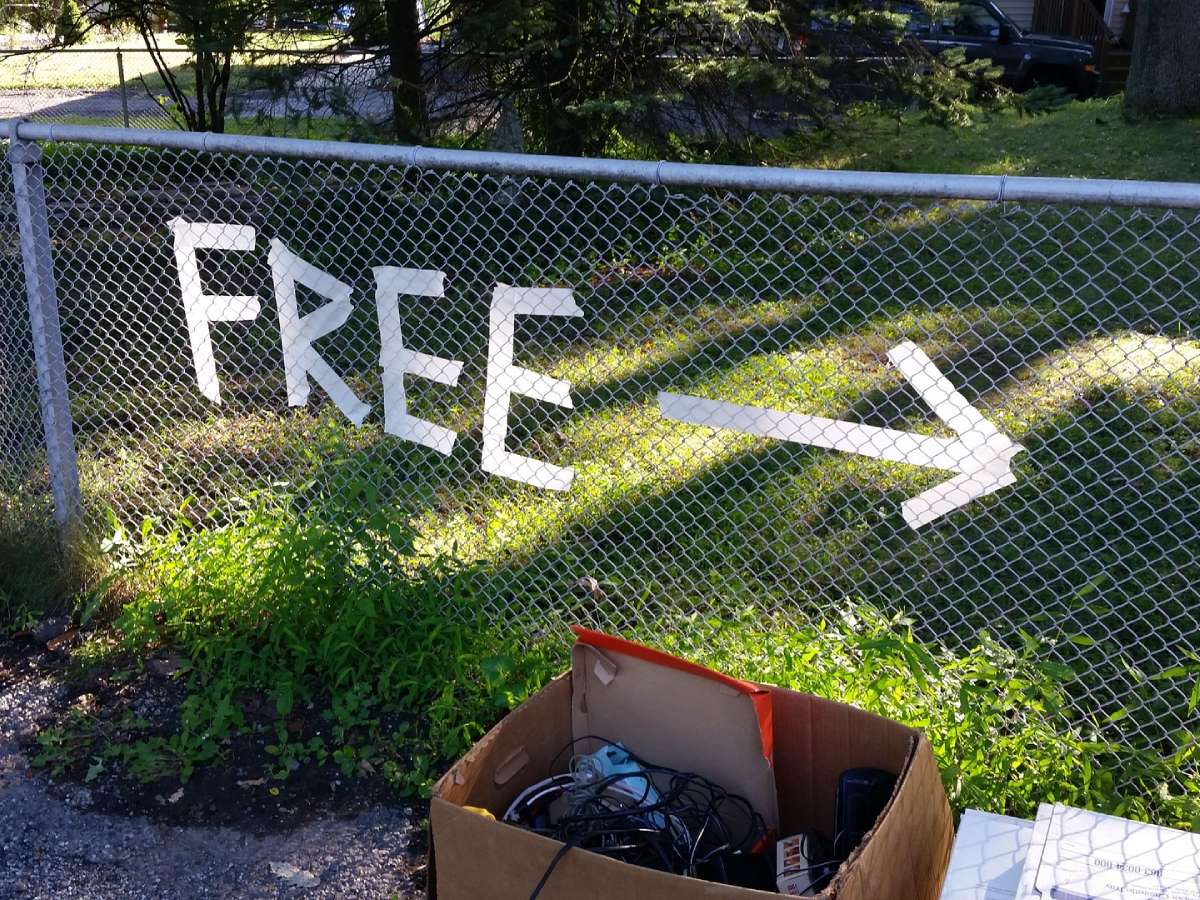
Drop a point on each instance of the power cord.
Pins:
(647, 815)
(562, 851)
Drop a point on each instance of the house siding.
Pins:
(1021, 11)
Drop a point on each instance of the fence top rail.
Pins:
(1108, 192)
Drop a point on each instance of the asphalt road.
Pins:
(66, 103)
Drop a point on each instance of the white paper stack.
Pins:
(1080, 855)
(989, 853)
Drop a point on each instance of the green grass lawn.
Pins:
(1074, 330)
(98, 70)
(1082, 140)
(83, 71)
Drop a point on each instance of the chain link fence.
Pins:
(632, 393)
(20, 433)
(28, 541)
(285, 92)
(86, 85)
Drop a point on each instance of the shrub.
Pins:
(288, 600)
(998, 717)
(70, 27)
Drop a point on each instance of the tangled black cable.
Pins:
(660, 818)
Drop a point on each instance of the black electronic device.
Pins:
(861, 796)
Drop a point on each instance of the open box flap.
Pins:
(674, 713)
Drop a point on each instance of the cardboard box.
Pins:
(781, 749)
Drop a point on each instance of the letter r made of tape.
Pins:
(200, 308)
(505, 378)
(297, 332)
(396, 360)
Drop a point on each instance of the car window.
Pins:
(973, 20)
(918, 19)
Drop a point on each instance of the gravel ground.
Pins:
(53, 846)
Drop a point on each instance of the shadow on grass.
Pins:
(862, 294)
(31, 580)
(683, 261)
(779, 525)
(1094, 548)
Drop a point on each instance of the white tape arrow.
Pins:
(980, 456)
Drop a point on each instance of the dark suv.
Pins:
(984, 31)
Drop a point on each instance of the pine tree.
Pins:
(70, 27)
(689, 76)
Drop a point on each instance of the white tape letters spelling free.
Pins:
(302, 362)
(979, 456)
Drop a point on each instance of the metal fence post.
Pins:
(124, 92)
(29, 196)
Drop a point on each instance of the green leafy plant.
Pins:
(310, 601)
(998, 718)
(70, 26)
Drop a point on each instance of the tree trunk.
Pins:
(1164, 75)
(562, 132)
(201, 108)
(404, 69)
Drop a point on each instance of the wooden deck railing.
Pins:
(1073, 18)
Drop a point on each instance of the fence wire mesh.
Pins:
(1071, 329)
(285, 93)
(84, 86)
(27, 532)
(20, 421)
